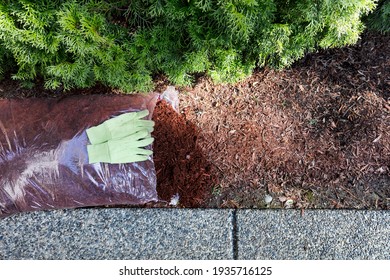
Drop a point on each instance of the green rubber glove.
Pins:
(124, 150)
(120, 126)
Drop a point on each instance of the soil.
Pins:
(316, 135)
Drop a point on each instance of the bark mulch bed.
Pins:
(313, 136)
(316, 135)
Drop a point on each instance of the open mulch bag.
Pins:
(44, 160)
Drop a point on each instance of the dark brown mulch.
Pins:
(181, 167)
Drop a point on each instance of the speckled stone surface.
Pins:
(196, 234)
(118, 234)
(317, 234)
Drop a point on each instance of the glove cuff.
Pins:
(98, 134)
(98, 153)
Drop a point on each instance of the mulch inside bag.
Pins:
(44, 160)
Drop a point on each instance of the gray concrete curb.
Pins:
(317, 234)
(196, 234)
(117, 234)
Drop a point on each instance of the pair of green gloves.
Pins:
(121, 139)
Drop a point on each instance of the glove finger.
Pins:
(141, 134)
(130, 143)
(130, 132)
(133, 115)
(126, 118)
(142, 114)
(141, 143)
(122, 119)
(140, 123)
(114, 127)
(141, 151)
(148, 128)
(130, 129)
(121, 133)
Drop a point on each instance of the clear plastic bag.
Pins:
(44, 160)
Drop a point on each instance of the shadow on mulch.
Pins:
(181, 167)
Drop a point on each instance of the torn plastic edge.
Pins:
(171, 96)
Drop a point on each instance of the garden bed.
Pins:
(316, 135)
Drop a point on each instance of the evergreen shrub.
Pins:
(122, 44)
(379, 20)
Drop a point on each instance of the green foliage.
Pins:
(122, 44)
(229, 66)
(380, 19)
(306, 25)
(70, 47)
(2, 60)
